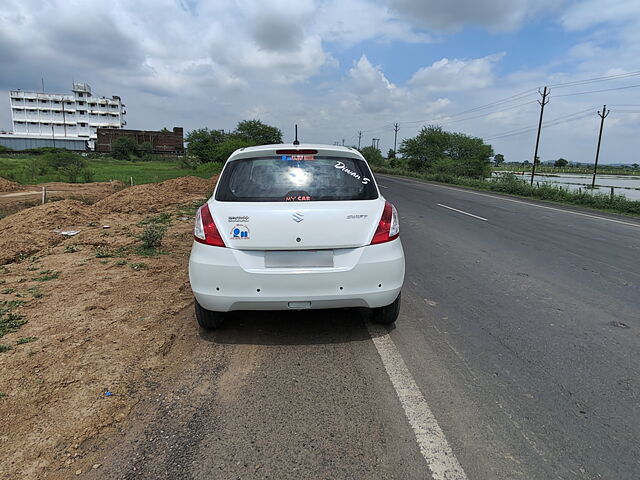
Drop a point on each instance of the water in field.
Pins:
(627, 185)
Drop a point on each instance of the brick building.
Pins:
(161, 142)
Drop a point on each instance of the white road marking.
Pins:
(463, 212)
(597, 217)
(433, 444)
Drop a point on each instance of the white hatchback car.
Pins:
(292, 227)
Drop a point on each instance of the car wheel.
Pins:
(207, 319)
(387, 315)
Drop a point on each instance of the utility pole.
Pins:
(395, 136)
(542, 103)
(604, 114)
(359, 138)
(343, 142)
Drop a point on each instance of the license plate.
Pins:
(298, 258)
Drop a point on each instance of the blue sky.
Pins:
(339, 66)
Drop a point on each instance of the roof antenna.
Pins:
(296, 142)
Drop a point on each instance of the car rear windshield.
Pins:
(296, 178)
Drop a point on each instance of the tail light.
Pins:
(205, 230)
(388, 227)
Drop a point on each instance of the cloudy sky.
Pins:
(336, 67)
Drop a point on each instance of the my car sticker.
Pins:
(239, 232)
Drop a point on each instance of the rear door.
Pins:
(291, 202)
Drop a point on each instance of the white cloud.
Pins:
(448, 15)
(447, 75)
(370, 89)
(590, 13)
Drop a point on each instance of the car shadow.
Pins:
(307, 327)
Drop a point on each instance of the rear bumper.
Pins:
(224, 279)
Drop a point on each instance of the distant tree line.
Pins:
(217, 145)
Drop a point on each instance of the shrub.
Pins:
(124, 148)
(152, 235)
(190, 162)
(69, 164)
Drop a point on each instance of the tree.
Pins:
(391, 154)
(258, 133)
(224, 150)
(435, 150)
(561, 162)
(123, 148)
(635, 166)
(498, 159)
(202, 143)
(372, 155)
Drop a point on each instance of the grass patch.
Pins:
(7, 291)
(35, 292)
(71, 249)
(24, 340)
(47, 275)
(149, 252)
(162, 219)
(120, 263)
(139, 266)
(2, 394)
(105, 168)
(106, 253)
(9, 321)
(4, 347)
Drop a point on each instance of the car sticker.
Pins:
(297, 158)
(240, 232)
(341, 166)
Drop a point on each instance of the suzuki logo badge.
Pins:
(298, 217)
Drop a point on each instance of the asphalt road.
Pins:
(517, 345)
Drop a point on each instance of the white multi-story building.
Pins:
(60, 116)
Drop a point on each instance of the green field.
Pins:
(107, 168)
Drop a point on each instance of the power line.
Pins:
(489, 113)
(555, 121)
(596, 80)
(533, 129)
(597, 91)
(512, 98)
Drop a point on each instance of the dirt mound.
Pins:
(155, 197)
(33, 229)
(8, 185)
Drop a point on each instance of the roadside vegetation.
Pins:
(206, 153)
(457, 159)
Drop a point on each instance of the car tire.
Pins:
(387, 315)
(207, 319)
